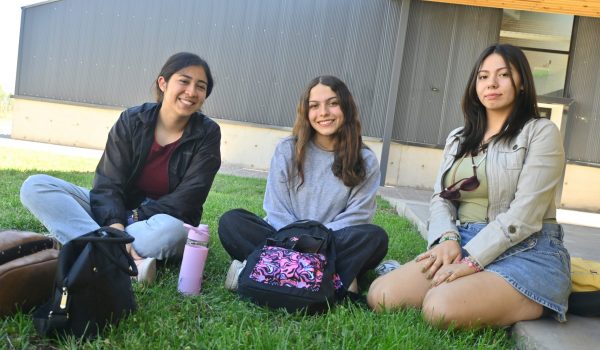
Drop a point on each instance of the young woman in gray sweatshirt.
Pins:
(323, 172)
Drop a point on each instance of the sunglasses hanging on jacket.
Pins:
(452, 192)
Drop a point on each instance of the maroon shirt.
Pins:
(154, 178)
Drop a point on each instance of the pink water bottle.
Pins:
(194, 258)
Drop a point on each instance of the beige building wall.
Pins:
(252, 146)
(581, 188)
(62, 124)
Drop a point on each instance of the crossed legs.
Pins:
(358, 248)
(64, 209)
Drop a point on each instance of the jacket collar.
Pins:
(192, 130)
(149, 113)
(454, 139)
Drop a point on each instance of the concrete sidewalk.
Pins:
(582, 239)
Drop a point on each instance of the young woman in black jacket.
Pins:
(157, 167)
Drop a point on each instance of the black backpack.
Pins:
(92, 287)
(294, 270)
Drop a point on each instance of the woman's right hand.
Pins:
(445, 253)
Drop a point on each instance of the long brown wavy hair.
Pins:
(348, 164)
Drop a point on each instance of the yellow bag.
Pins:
(585, 275)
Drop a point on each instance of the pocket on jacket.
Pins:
(513, 157)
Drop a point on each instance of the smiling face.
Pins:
(497, 85)
(184, 93)
(325, 115)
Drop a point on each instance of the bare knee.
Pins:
(440, 311)
(377, 295)
(403, 287)
(388, 293)
(384, 294)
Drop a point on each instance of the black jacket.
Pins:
(192, 168)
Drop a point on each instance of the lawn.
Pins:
(217, 319)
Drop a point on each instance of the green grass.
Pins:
(217, 319)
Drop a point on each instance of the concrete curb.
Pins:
(406, 209)
(579, 333)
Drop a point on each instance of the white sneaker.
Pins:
(233, 274)
(387, 266)
(146, 270)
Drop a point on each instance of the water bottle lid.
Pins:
(199, 233)
(199, 237)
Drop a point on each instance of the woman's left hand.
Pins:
(445, 253)
(449, 273)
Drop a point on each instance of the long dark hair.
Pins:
(177, 62)
(524, 108)
(348, 164)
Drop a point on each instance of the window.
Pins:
(545, 39)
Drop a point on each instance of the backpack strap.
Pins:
(25, 249)
(307, 236)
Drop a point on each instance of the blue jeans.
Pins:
(64, 209)
(538, 267)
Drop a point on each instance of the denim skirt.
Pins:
(538, 267)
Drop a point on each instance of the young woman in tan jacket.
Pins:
(495, 252)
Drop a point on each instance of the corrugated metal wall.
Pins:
(583, 126)
(443, 42)
(262, 53)
(107, 52)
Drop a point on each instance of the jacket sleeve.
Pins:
(107, 197)
(535, 191)
(277, 202)
(186, 200)
(442, 212)
(361, 205)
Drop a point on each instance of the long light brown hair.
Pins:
(348, 164)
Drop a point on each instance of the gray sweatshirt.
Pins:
(322, 197)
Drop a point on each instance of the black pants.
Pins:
(358, 248)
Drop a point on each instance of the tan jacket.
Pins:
(523, 177)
